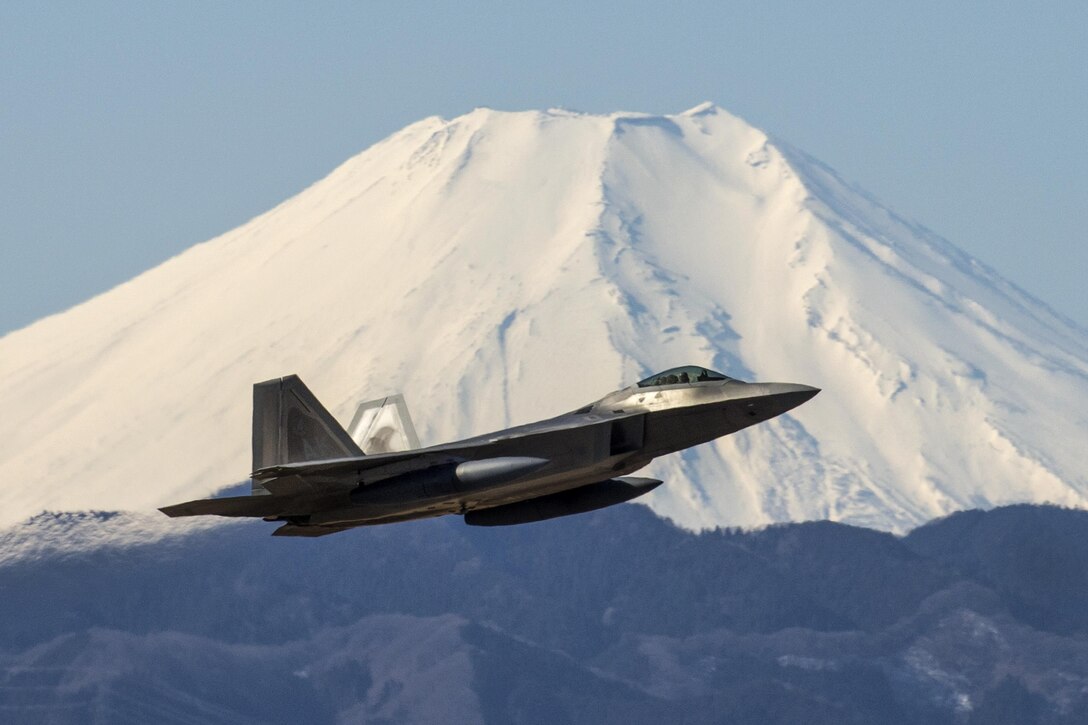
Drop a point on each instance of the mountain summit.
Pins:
(502, 267)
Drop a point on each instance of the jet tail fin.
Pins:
(291, 426)
(384, 426)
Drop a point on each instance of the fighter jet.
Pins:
(318, 478)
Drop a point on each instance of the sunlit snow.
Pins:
(502, 267)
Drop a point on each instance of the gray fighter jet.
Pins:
(318, 478)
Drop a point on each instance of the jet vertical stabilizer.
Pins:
(384, 426)
(291, 426)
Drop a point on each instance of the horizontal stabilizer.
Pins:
(260, 505)
(308, 530)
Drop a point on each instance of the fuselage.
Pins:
(311, 474)
(612, 437)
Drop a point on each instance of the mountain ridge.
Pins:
(613, 616)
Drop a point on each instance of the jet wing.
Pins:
(292, 484)
(564, 503)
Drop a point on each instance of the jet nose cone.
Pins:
(779, 398)
(792, 394)
(794, 391)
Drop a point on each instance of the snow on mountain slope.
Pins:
(503, 267)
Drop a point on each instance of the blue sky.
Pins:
(130, 131)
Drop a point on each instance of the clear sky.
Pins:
(130, 131)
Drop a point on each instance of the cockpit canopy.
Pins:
(682, 376)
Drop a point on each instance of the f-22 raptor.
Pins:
(318, 478)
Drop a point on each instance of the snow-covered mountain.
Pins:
(502, 267)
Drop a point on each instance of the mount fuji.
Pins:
(503, 267)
